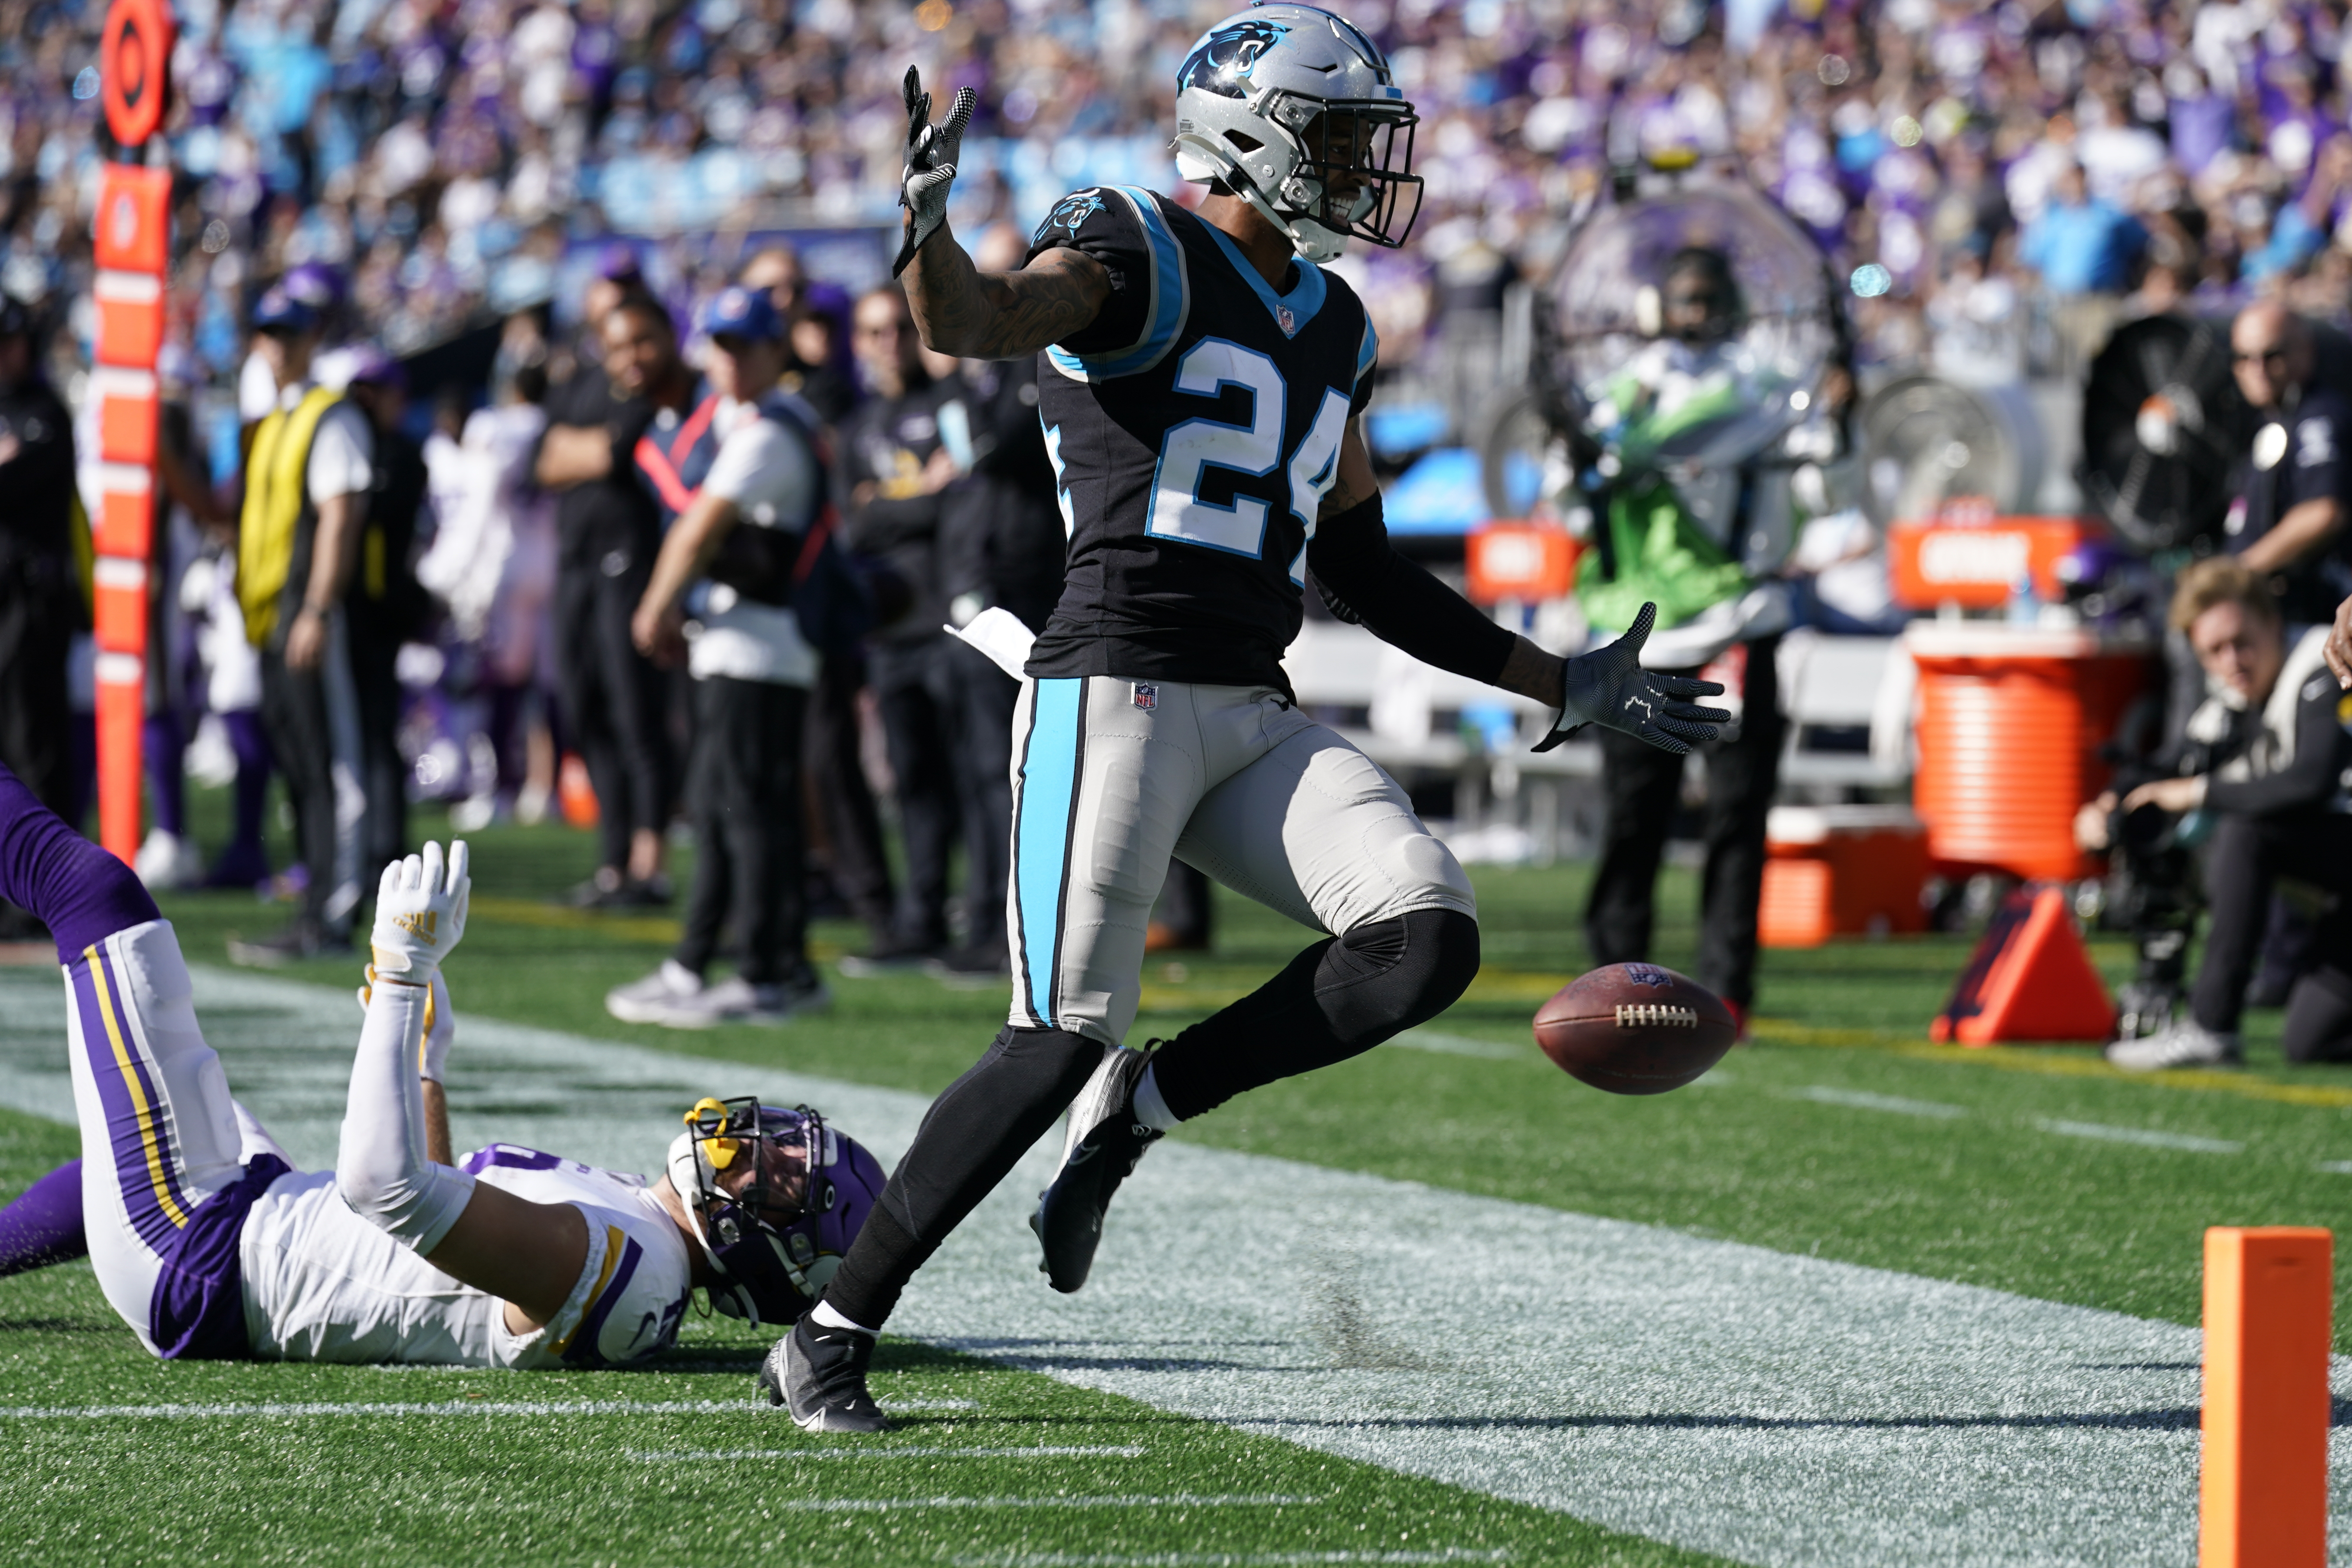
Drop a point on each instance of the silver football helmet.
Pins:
(1296, 112)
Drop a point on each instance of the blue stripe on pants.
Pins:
(1049, 787)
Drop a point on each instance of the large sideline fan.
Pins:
(2162, 424)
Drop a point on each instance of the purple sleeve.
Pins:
(79, 891)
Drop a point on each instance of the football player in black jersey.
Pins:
(1200, 388)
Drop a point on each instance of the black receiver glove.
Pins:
(1610, 688)
(931, 168)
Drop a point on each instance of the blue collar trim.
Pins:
(1306, 296)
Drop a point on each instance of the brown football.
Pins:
(1634, 1028)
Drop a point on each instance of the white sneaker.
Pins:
(2183, 1043)
(736, 1000)
(648, 1001)
(167, 860)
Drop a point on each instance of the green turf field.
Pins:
(1840, 1134)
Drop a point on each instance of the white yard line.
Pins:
(1771, 1408)
(1045, 1451)
(1221, 1559)
(1447, 1045)
(1863, 1099)
(390, 1408)
(2145, 1137)
(1113, 1500)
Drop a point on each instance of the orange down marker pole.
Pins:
(2269, 1291)
(130, 241)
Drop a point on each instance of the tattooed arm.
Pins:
(1354, 562)
(961, 311)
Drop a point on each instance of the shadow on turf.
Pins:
(2184, 1420)
(2122, 1421)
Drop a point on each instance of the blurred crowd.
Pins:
(448, 156)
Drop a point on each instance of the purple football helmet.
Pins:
(776, 1197)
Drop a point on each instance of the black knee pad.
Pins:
(1386, 976)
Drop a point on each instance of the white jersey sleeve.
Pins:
(322, 1284)
(634, 1287)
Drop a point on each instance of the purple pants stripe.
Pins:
(145, 1162)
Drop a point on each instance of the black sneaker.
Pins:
(893, 957)
(607, 889)
(1104, 1143)
(819, 1375)
(293, 946)
(971, 969)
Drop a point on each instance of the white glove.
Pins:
(440, 1024)
(930, 167)
(420, 914)
(1609, 687)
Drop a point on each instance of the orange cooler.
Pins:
(2010, 720)
(1841, 871)
(1976, 565)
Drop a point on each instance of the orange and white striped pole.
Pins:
(133, 249)
(2269, 1295)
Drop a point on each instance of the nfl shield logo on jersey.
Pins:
(1146, 696)
(1288, 322)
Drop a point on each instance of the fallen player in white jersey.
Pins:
(210, 1244)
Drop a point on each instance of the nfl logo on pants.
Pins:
(1146, 696)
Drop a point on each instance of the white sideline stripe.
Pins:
(1447, 1045)
(1771, 1408)
(1170, 1500)
(1045, 1451)
(1220, 1559)
(368, 1407)
(1863, 1099)
(2145, 1137)
(2336, 1167)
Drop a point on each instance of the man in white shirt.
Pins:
(736, 570)
(307, 471)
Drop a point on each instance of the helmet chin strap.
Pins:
(1308, 239)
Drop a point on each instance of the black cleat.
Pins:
(1105, 1141)
(819, 1373)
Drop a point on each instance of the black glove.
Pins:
(1610, 688)
(930, 166)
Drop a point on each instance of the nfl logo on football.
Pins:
(1146, 696)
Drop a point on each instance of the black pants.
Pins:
(614, 699)
(1643, 786)
(915, 692)
(37, 628)
(841, 806)
(2243, 860)
(294, 713)
(980, 699)
(744, 791)
(384, 831)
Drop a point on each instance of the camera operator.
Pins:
(2265, 762)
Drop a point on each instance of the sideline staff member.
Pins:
(608, 529)
(747, 537)
(38, 595)
(2287, 522)
(2280, 810)
(306, 482)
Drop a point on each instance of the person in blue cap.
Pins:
(743, 593)
(308, 469)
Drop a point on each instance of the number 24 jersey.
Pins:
(1194, 428)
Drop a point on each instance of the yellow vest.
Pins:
(277, 495)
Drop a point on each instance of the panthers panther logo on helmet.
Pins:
(1222, 62)
(1295, 110)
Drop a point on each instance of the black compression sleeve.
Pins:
(1350, 555)
(2306, 781)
